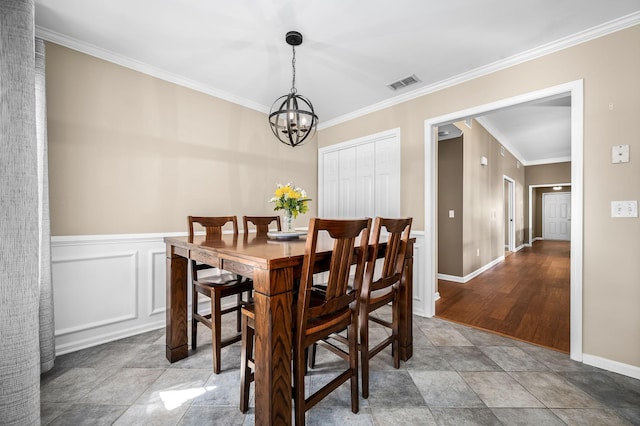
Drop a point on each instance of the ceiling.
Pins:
(351, 53)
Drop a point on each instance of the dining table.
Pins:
(274, 265)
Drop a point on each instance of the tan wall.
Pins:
(129, 153)
(483, 224)
(450, 173)
(610, 69)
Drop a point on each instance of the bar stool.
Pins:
(215, 287)
(318, 314)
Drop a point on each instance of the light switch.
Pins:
(624, 208)
(451, 213)
(620, 154)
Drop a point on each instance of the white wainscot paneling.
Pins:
(108, 282)
(420, 299)
(107, 287)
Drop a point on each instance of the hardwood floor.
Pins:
(527, 296)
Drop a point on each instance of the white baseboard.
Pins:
(614, 366)
(469, 277)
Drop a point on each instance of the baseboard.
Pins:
(610, 365)
(100, 339)
(469, 277)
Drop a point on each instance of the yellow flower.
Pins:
(279, 192)
(293, 194)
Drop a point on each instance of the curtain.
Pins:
(25, 271)
(47, 337)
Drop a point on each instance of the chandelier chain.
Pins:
(293, 65)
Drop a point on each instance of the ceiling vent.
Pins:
(407, 81)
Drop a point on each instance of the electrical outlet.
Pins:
(624, 208)
(477, 252)
(452, 214)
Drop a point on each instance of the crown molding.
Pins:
(578, 38)
(144, 68)
(546, 49)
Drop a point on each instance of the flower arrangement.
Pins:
(291, 199)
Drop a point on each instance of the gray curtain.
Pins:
(47, 337)
(24, 221)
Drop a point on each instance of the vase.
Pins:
(287, 225)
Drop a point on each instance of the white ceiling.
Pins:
(351, 50)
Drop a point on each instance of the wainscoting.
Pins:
(107, 287)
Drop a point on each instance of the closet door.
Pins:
(387, 178)
(329, 185)
(361, 178)
(347, 186)
(365, 180)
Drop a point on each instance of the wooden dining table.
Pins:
(273, 265)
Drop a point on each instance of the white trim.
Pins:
(99, 339)
(112, 238)
(575, 89)
(610, 365)
(152, 279)
(546, 49)
(469, 277)
(511, 197)
(555, 46)
(375, 137)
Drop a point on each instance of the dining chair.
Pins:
(215, 285)
(261, 224)
(318, 314)
(380, 288)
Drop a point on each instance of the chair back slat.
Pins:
(338, 295)
(212, 225)
(397, 237)
(261, 224)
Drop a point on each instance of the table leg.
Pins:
(273, 298)
(176, 332)
(405, 329)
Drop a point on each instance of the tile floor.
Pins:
(457, 376)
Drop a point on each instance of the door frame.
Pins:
(576, 90)
(531, 188)
(510, 196)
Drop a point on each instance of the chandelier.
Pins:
(292, 118)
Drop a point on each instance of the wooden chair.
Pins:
(215, 286)
(380, 288)
(318, 314)
(383, 290)
(261, 224)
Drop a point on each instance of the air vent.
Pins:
(407, 81)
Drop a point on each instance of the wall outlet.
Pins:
(452, 214)
(620, 154)
(477, 252)
(624, 208)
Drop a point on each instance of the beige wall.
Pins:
(609, 67)
(483, 223)
(129, 153)
(450, 173)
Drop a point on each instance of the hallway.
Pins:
(526, 297)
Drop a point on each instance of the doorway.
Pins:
(573, 89)
(509, 214)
